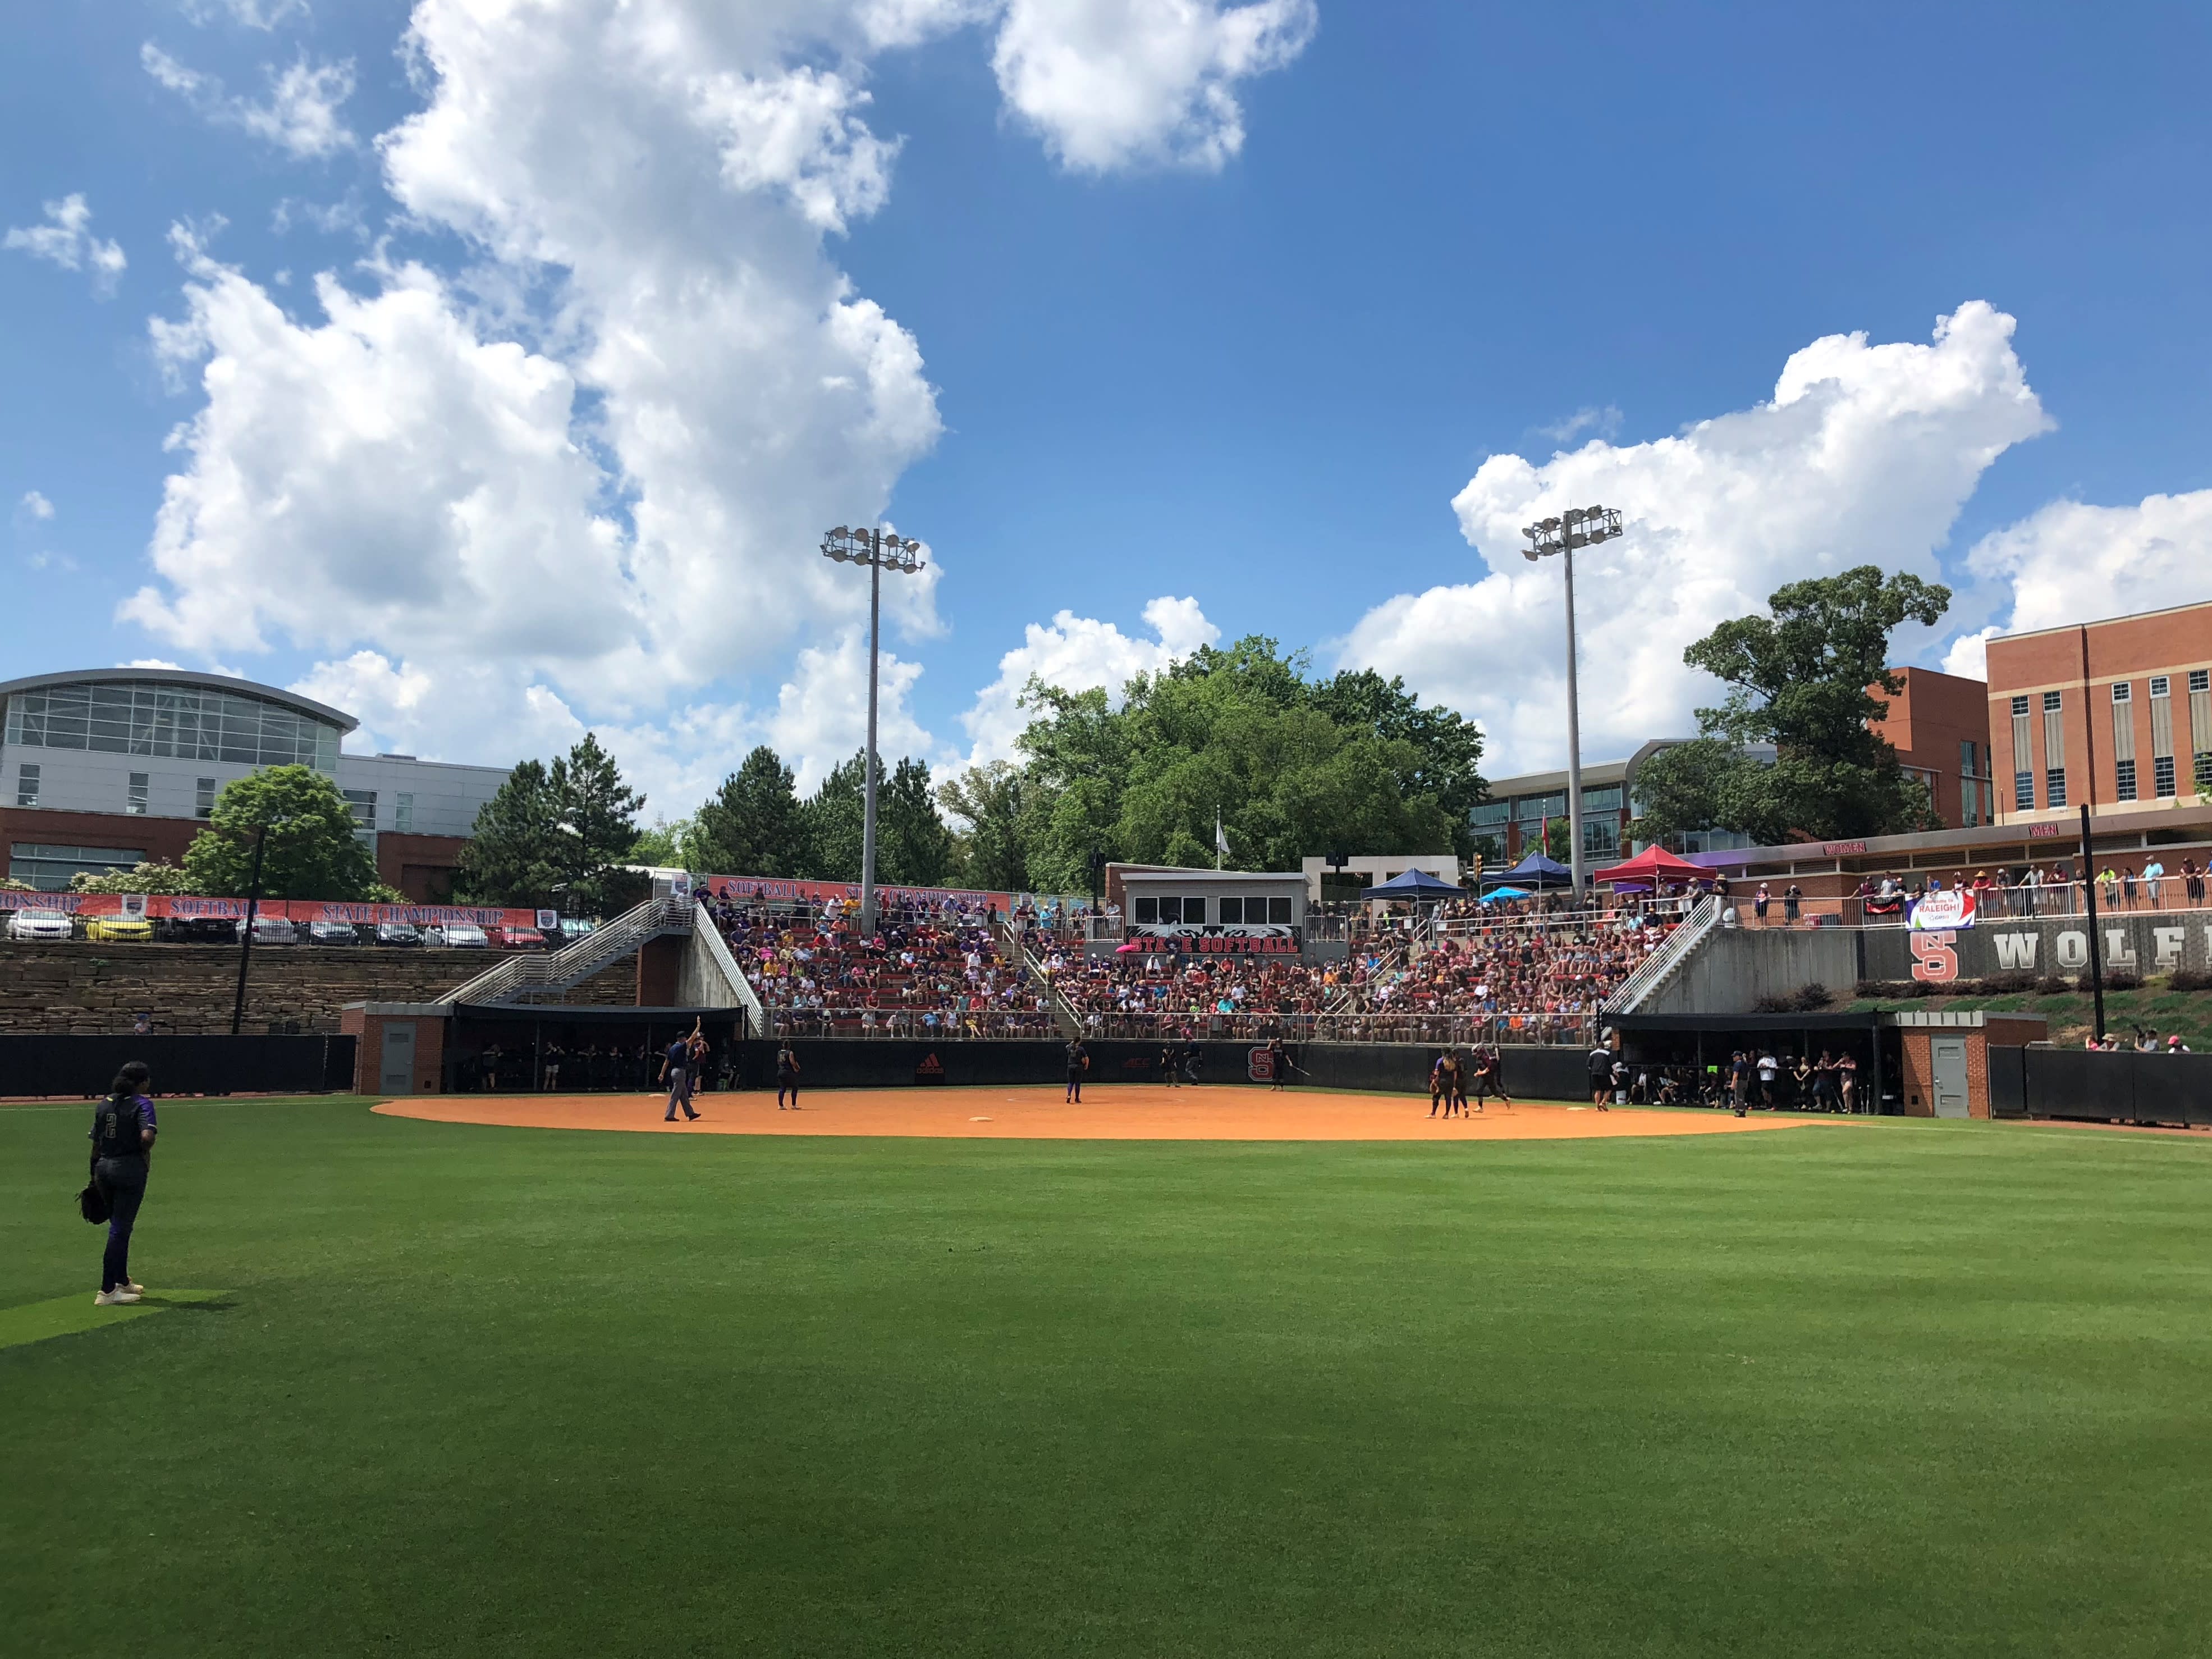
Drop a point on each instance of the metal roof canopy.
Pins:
(1854, 1022)
(237, 688)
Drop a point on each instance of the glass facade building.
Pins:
(178, 722)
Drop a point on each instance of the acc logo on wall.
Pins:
(1952, 907)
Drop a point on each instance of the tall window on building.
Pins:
(1977, 802)
(2161, 737)
(2200, 724)
(2124, 739)
(204, 798)
(2023, 767)
(134, 797)
(2054, 749)
(363, 802)
(26, 785)
(402, 812)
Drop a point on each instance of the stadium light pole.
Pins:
(879, 551)
(1578, 526)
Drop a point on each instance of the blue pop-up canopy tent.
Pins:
(1534, 870)
(1497, 893)
(1414, 885)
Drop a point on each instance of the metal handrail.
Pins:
(618, 938)
(1654, 970)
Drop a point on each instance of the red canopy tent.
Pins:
(1653, 864)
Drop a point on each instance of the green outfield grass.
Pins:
(1865, 1388)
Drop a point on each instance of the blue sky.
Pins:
(1248, 310)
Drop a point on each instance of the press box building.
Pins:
(104, 768)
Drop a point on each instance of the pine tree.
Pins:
(596, 830)
(513, 855)
(830, 821)
(751, 826)
(914, 847)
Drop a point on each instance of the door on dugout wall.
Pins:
(395, 1072)
(1946, 1059)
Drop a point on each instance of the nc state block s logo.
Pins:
(1933, 959)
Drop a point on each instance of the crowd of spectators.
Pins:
(1476, 976)
(929, 969)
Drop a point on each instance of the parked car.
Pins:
(333, 932)
(199, 930)
(267, 930)
(117, 928)
(42, 926)
(517, 938)
(466, 936)
(396, 933)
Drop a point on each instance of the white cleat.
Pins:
(120, 1296)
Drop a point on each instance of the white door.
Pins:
(1947, 1060)
(395, 1071)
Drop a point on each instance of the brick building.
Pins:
(1939, 725)
(2114, 714)
(104, 768)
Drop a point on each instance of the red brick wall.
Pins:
(368, 1053)
(2131, 648)
(161, 839)
(420, 866)
(1919, 1081)
(1926, 722)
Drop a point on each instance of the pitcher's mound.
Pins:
(1117, 1112)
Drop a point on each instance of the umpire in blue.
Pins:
(123, 1132)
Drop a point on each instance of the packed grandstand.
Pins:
(966, 967)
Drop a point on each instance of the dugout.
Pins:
(1691, 1044)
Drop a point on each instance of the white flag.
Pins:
(1220, 840)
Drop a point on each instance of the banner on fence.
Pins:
(1952, 907)
(162, 906)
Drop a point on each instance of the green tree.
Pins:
(557, 836)
(1292, 768)
(514, 854)
(150, 876)
(311, 850)
(597, 830)
(831, 822)
(751, 826)
(989, 852)
(667, 846)
(1810, 679)
(914, 844)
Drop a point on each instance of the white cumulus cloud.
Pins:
(1112, 82)
(1077, 654)
(299, 115)
(1864, 454)
(66, 239)
(821, 715)
(34, 506)
(581, 481)
(2071, 563)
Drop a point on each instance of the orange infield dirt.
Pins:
(1122, 1112)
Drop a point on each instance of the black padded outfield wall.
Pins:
(1392, 1068)
(2138, 942)
(2076, 1084)
(82, 1067)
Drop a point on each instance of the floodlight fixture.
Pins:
(1579, 526)
(880, 551)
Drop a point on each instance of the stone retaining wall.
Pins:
(91, 988)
